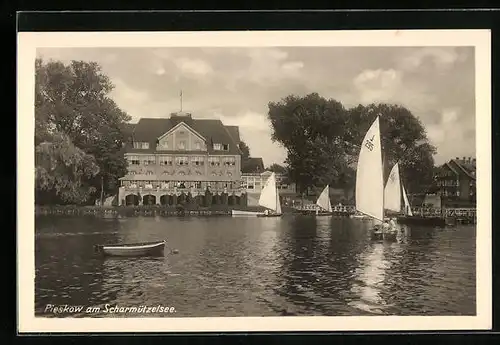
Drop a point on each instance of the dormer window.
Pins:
(221, 147)
(141, 145)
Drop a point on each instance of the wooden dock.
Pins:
(452, 215)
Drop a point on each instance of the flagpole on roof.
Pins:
(181, 100)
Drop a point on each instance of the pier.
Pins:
(452, 215)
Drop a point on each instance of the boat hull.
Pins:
(384, 236)
(269, 215)
(133, 249)
(422, 221)
(237, 213)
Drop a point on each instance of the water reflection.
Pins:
(294, 265)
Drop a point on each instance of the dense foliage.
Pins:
(322, 141)
(76, 122)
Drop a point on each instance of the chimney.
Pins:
(457, 158)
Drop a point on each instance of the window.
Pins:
(165, 160)
(141, 145)
(214, 161)
(163, 145)
(149, 160)
(181, 145)
(229, 161)
(181, 161)
(134, 160)
(225, 147)
(217, 147)
(197, 185)
(149, 172)
(229, 174)
(197, 160)
(198, 146)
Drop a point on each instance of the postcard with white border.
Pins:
(254, 181)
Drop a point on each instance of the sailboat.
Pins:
(370, 180)
(324, 204)
(269, 198)
(393, 191)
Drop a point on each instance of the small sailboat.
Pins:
(324, 204)
(393, 191)
(370, 180)
(269, 198)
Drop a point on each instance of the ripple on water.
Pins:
(244, 267)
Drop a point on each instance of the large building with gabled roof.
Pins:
(179, 159)
(457, 179)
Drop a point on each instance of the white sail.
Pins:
(278, 203)
(269, 197)
(369, 177)
(392, 191)
(407, 203)
(324, 200)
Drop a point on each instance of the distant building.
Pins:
(456, 179)
(178, 159)
(254, 176)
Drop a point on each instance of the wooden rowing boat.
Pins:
(132, 249)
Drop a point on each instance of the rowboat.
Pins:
(132, 249)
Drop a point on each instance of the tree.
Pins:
(61, 172)
(279, 169)
(309, 128)
(245, 150)
(404, 141)
(322, 140)
(73, 100)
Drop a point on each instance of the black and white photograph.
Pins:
(254, 181)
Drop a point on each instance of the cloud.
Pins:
(292, 68)
(377, 85)
(160, 71)
(196, 67)
(440, 57)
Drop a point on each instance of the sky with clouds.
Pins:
(437, 84)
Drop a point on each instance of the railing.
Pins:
(417, 211)
(175, 190)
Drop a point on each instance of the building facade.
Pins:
(253, 178)
(457, 179)
(179, 160)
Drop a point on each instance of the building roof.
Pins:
(214, 131)
(252, 165)
(128, 129)
(467, 168)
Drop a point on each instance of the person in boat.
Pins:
(266, 212)
(392, 225)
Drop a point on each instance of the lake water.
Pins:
(295, 265)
